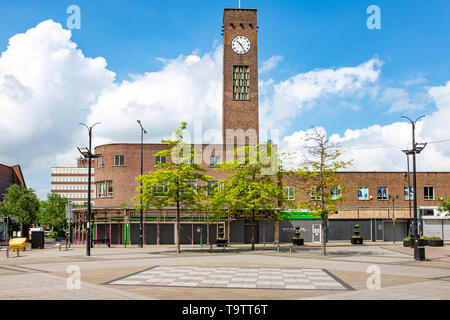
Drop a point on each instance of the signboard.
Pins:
(292, 215)
(69, 213)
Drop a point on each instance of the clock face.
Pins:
(240, 45)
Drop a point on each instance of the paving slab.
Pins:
(240, 278)
(428, 290)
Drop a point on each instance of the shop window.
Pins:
(382, 193)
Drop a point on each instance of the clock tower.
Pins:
(240, 76)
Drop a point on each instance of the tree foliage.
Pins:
(172, 183)
(22, 204)
(252, 189)
(319, 178)
(53, 213)
(445, 206)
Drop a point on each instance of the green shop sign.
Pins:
(291, 215)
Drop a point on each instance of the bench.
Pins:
(59, 245)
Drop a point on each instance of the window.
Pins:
(211, 186)
(315, 193)
(428, 192)
(119, 160)
(241, 82)
(190, 185)
(363, 193)
(335, 193)
(160, 159)
(159, 190)
(109, 189)
(409, 194)
(100, 162)
(214, 161)
(289, 191)
(104, 189)
(382, 193)
(100, 187)
(426, 212)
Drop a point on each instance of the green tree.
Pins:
(53, 213)
(445, 206)
(174, 182)
(252, 189)
(22, 204)
(319, 178)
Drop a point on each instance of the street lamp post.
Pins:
(141, 224)
(393, 215)
(416, 148)
(87, 153)
(409, 186)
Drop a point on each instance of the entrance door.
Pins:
(316, 233)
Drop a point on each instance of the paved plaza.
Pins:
(268, 273)
(249, 278)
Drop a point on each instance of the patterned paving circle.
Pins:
(248, 278)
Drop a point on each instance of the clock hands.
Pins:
(241, 45)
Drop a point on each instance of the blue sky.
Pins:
(412, 47)
(414, 41)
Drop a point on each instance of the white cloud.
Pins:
(46, 87)
(380, 147)
(294, 94)
(270, 63)
(400, 100)
(188, 88)
(412, 82)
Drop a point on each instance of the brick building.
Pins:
(72, 182)
(370, 194)
(9, 176)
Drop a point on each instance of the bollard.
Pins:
(278, 247)
(7, 253)
(290, 249)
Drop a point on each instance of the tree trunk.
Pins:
(324, 251)
(178, 227)
(253, 233)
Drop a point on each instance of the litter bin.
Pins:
(37, 239)
(419, 249)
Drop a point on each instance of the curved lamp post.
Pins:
(87, 153)
(416, 148)
(141, 224)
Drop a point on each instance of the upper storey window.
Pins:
(100, 162)
(119, 160)
(241, 82)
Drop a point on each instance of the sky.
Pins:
(319, 65)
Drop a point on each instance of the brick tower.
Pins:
(240, 73)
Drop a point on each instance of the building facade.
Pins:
(9, 176)
(377, 201)
(72, 182)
